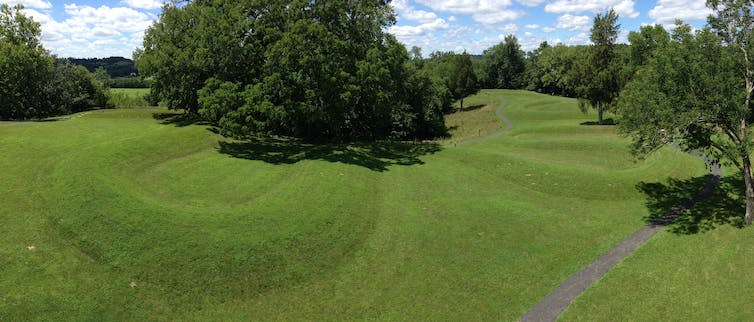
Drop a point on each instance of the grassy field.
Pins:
(697, 270)
(128, 97)
(123, 215)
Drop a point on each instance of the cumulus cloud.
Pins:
(531, 3)
(483, 11)
(410, 31)
(625, 8)
(36, 4)
(88, 31)
(406, 11)
(667, 11)
(573, 23)
(143, 4)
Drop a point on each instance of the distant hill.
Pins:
(115, 66)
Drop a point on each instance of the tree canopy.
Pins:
(463, 81)
(599, 73)
(695, 90)
(309, 69)
(504, 65)
(31, 85)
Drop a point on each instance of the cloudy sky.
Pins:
(88, 28)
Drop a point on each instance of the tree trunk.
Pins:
(600, 112)
(749, 190)
(461, 104)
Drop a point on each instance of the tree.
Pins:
(504, 64)
(74, 89)
(645, 42)
(319, 70)
(463, 81)
(599, 73)
(25, 67)
(691, 93)
(733, 21)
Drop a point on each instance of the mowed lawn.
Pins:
(132, 217)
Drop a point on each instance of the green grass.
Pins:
(273, 230)
(128, 97)
(697, 270)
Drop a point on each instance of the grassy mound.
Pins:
(125, 215)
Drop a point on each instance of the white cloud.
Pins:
(531, 3)
(532, 26)
(411, 31)
(92, 32)
(667, 11)
(624, 8)
(579, 39)
(483, 11)
(573, 23)
(410, 13)
(510, 28)
(548, 29)
(143, 4)
(36, 4)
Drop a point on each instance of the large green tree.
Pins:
(463, 81)
(25, 67)
(695, 91)
(310, 69)
(505, 65)
(599, 73)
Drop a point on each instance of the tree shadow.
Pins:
(469, 108)
(376, 156)
(605, 122)
(695, 205)
(179, 119)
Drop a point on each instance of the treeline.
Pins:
(320, 70)
(114, 66)
(32, 83)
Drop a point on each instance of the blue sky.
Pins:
(88, 28)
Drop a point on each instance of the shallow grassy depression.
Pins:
(125, 215)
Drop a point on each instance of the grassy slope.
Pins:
(481, 231)
(128, 97)
(694, 271)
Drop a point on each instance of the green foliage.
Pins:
(315, 70)
(505, 65)
(25, 67)
(74, 89)
(31, 84)
(645, 43)
(599, 75)
(688, 90)
(463, 81)
(553, 69)
(115, 67)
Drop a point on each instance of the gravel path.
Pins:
(554, 304)
(506, 127)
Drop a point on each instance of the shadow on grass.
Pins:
(376, 156)
(179, 119)
(469, 108)
(672, 204)
(604, 122)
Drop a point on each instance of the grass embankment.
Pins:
(205, 229)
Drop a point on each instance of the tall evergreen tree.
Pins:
(463, 81)
(599, 77)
